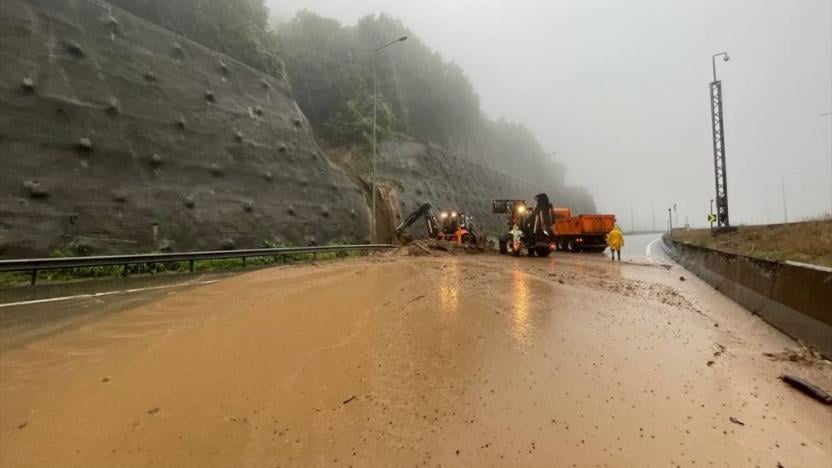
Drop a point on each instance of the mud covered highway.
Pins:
(474, 360)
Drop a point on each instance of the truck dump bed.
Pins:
(583, 233)
(584, 225)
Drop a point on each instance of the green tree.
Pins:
(238, 28)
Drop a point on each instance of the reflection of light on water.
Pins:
(521, 306)
(449, 287)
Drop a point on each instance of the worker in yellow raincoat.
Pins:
(615, 239)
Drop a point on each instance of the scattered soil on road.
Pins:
(462, 360)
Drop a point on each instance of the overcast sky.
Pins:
(619, 89)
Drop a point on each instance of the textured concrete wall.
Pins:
(796, 299)
(415, 173)
(110, 125)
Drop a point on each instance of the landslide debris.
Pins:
(434, 248)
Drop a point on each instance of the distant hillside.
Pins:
(423, 96)
(331, 66)
(119, 136)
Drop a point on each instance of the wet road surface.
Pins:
(473, 360)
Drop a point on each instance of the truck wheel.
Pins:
(516, 253)
(542, 251)
(469, 239)
(503, 244)
(530, 250)
(570, 246)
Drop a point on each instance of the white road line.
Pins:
(101, 294)
(649, 249)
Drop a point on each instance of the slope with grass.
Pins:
(806, 242)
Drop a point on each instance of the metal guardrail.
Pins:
(34, 265)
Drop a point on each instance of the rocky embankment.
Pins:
(117, 136)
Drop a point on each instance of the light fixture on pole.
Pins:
(373, 156)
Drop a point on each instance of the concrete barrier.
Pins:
(796, 298)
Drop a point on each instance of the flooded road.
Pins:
(454, 361)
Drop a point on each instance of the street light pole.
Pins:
(718, 130)
(375, 126)
(828, 114)
(676, 214)
(783, 192)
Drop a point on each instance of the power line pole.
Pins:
(632, 220)
(718, 131)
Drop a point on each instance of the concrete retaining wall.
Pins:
(795, 298)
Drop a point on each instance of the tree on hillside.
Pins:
(331, 68)
(238, 28)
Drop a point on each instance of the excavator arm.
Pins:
(541, 216)
(430, 220)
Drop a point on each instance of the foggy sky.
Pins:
(619, 89)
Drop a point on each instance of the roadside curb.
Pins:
(794, 298)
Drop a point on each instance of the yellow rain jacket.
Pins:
(615, 239)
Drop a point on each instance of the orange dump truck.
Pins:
(581, 233)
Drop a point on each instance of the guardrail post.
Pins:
(283, 257)
(124, 270)
(244, 262)
(34, 277)
(191, 265)
(314, 256)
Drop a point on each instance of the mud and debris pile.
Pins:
(435, 248)
(126, 139)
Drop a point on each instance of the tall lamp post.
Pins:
(718, 130)
(828, 114)
(375, 110)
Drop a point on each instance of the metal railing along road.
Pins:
(34, 265)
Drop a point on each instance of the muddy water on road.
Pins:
(472, 361)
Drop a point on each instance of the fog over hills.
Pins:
(620, 91)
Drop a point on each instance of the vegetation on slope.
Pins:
(331, 69)
(807, 242)
(237, 28)
(421, 95)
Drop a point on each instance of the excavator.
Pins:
(528, 228)
(450, 226)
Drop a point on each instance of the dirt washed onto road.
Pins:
(452, 361)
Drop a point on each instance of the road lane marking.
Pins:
(101, 294)
(649, 249)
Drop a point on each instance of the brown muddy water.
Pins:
(451, 361)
